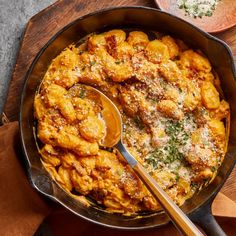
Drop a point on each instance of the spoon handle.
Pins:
(181, 221)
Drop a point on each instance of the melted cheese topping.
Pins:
(172, 115)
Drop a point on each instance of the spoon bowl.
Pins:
(111, 116)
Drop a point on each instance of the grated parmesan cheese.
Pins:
(198, 8)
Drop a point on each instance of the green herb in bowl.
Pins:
(198, 8)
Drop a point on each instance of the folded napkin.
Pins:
(23, 209)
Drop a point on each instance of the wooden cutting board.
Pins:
(46, 23)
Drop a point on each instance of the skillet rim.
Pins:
(209, 198)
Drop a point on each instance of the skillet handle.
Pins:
(204, 218)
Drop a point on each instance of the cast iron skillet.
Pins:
(199, 206)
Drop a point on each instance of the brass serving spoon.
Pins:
(113, 138)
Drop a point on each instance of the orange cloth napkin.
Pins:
(22, 209)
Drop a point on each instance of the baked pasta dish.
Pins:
(175, 120)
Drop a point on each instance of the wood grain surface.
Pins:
(224, 16)
(46, 23)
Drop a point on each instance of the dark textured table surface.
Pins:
(13, 18)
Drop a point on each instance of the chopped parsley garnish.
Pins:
(154, 100)
(213, 168)
(178, 136)
(177, 177)
(92, 63)
(138, 122)
(155, 157)
(209, 13)
(173, 128)
(194, 185)
(170, 152)
(173, 152)
(82, 93)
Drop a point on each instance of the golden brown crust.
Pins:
(173, 117)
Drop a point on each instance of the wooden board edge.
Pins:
(17, 59)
